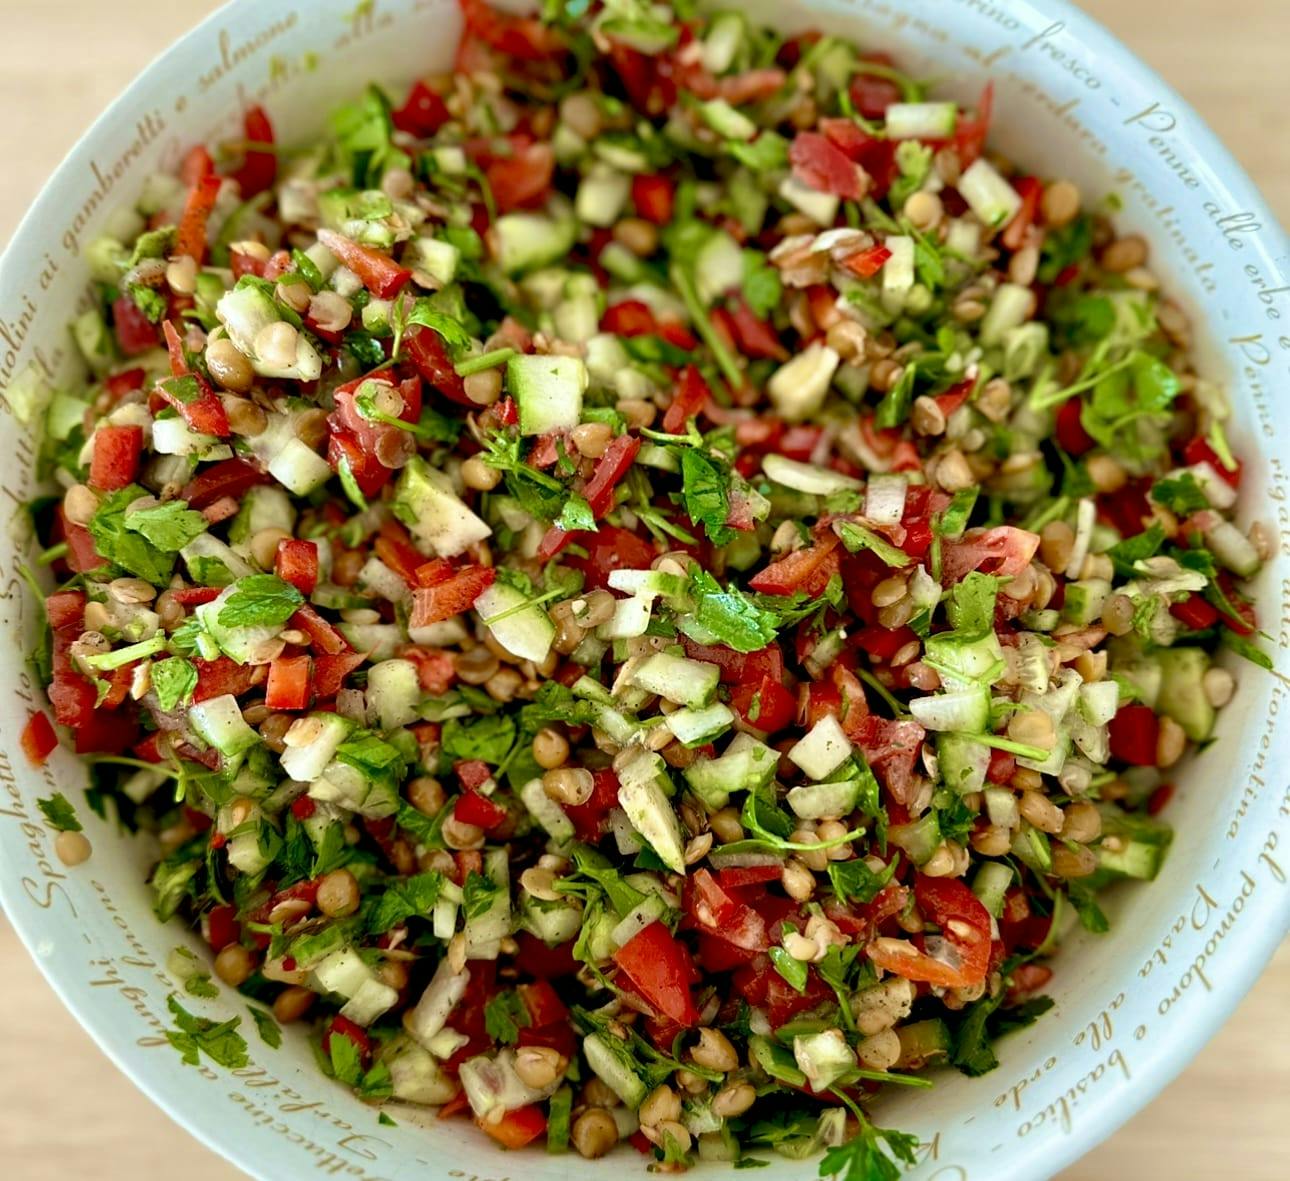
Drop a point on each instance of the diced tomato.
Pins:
(543, 1004)
(472, 808)
(259, 167)
(302, 807)
(542, 961)
(423, 113)
(718, 914)
(1198, 450)
(739, 667)
(322, 635)
(883, 643)
(229, 477)
(1134, 732)
(629, 317)
(222, 927)
(754, 337)
(653, 197)
(38, 738)
(1195, 612)
(135, 333)
(195, 596)
(222, 675)
(436, 668)
(890, 747)
(115, 461)
(344, 1027)
(955, 396)
(611, 467)
(430, 604)
(518, 1127)
(743, 877)
(125, 382)
(191, 237)
(867, 263)
(871, 95)
(1003, 551)
(588, 817)
(1071, 435)
(965, 926)
(807, 570)
(610, 548)
(330, 672)
(1029, 189)
(1002, 766)
(472, 773)
(288, 684)
(817, 162)
(522, 180)
(105, 732)
(647, 80)
(368, 472)
(425, 350)
(296, 562)
(688, 398)
(65, 609)
(769, 704)
(784, 1002)
(379, 273)
(659, 967)
(523, 37)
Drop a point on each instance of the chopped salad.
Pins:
(642, 587)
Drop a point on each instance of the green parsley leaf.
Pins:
(854, 881)
(1136, 549)
(726, 616)
(600, 876)
(868, 1156)
(260, 600)
(423, 313)
(1064, 247)
(488, 739)
(158, 243)
(576, 515)
(59, 812)
(792, 970)
(954, 519)
(307, 269)
(1181, 494)
(364, 348)
(767, 153)
(130, 550)
(220, 1042)
(149, 301)
(200, 985)
(169, 526)
(970, 607)
(504, 1016)
(895, 406)
(478, 895)
(705, 494)
(404, 898)
(858, 537)
(173, 681)
(269, 1030)
(761, 287)
(1091, 916)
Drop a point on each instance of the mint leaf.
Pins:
(260, 600)
(173, 681)
(59, 813)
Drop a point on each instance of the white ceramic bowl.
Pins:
(1132, 1007)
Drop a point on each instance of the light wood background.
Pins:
(64, 1109)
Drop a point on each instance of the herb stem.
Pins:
(724, 358)
(52, 554)
(489, 360)
(896, 707)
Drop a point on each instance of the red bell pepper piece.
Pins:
(659, 967)
(260, 165)
(423, 113)
(688, 398)
(522, 180)
(222, 927)
(588, 817)
(611, 467)
(229, 477)
(867, 263)
(380, 274)
(472, 808)
(195, 596)
(38, 738)
(135, 333)
(115, 462)
(125, 382)
(1134, 732)
(766, 704)
(288, 685)
(430, 604)
(322, 635)
(518, 1127)
(871, 94)
(1071, 435)
(1195, 612)
(543, 1004)
(806, 569)
(629, 317)
(344, 1027)
(965, 925)
(653, 197)
(330, 672)
(369, 473)
(296, 562)
(754, 337)
(191, 238)
(524, 37)
(1029, 189)
(221, 676)
(1198, 450)
(426, 352)
(609, 549)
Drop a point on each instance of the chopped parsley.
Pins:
(59, 813)
(195, 1036)
(260, 600)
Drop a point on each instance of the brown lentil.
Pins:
(234, 965)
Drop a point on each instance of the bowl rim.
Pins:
(1245, 959)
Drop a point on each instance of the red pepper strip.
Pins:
(753, 336)
(296, 562)
(867, 263)
(1195, 612)
(1134, 732)
(191, 238)
(115, 461)
(203, 412)
(805, 569)
(659, 966)
(380, 274)
(175, 348)
(197, 164)
(38, 738)
(259, 168)
(767, 704)
(688, 398)
(325, 638)
(517, 1128)
(472, 808)
(135, 333)
(611, 467)
(1030, 189)
(330, 672)
(288, 684)
(653, 198)
(229, 477)
(431, 604)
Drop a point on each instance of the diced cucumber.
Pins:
(918, 839)
(1011, 307)
(299, 469)
(94, 341)
(718, 266)
(438, 259)
(821, 208)
(746, 765)
(1098, 701)
(245, 312)
(548, 390)
(546, 811)
(963, 762)
(825, 801)
(602, 194)
(173, 436)
(552, 922)
(437, 517)
(694, 727)
(1001, 807)
(393, 693)
(966, 711)
(798, 388)
(522, 628)
(378, 579)
(484, 933)
(219, 722)
(381, 641)
(644, 914)
(492, 1082)
(921, 120)
(823, 1058)
(991, 883)
(1131, 847)
(1182, 692)
(678, 678)
(1233, 549)
(651, 814)
(723, 41)
(343, 784)
(613, 1071)
(823, 749)
(988, 195)
(441, 997)
(206, 549)
(263, 507)
(415, 1076)
(1084, 601)
(898, 270)
(921, 1042)
(807, 477)
(242, 644)
(345, 973)
(525, 241)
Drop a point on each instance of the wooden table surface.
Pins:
(64, 1109)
